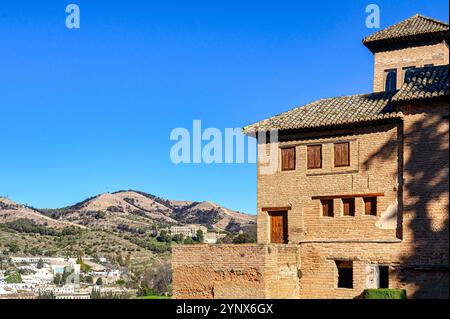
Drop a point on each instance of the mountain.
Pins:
(130, 209)
(112, 225)
(11, 211)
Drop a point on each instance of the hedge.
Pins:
(384, 294)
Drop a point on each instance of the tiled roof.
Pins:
(359, 109)
(336, 111)
(416, 27)
(422, 83)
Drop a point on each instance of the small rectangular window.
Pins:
(345, 274)
(390, 80)
(348, 206)
(327, 207)
(341, 154)
(384, 276)
(288, 159)
(428, 65)
(314, 156)
(370, 206)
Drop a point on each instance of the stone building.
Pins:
(360, 197)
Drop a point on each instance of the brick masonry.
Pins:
(407, 162)
(418, 56)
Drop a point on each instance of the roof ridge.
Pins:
(430, 19)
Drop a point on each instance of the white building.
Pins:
(187, 230)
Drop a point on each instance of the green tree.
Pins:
(188, 241)
(89, 280)
(164, 236)
(57, 279)
(40, 264)
(178, 238)
(14, 278)
(68, 271)
(200, 237)
(99, 281)
(243, 238)
(13, 247)
(46, 295)
(95, 293)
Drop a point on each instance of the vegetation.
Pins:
(24, 225)
(40, 264)
(157, 281)
(83, 266)
(46, 295)
(384, 294)
(243, 238)
(200, 236)
(14, 278)
(96, 293)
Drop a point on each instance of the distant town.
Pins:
(84, 277)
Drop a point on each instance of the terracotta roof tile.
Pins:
(421, 83)
(414, 25)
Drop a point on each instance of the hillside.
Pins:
(141, 210)
(11, 211)
(113, 225)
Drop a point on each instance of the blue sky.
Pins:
(89, 111)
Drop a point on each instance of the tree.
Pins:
(13, 247)
(67, 277)
(99, 281)
(14, 278)
(156, 280)
(243, 238)
(95, 293)
(200, 237)
(89, 280)
(46, 295)
(57, 279)
(188, 241)
(164, 236)
(178, 238)
(40, 264)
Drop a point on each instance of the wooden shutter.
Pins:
(342, 154)
(327, 207)
(314, 156)
(349, 206)
(370, 206)
(288, 159)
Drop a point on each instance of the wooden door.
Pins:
(278, 227)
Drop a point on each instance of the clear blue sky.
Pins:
(89, 111)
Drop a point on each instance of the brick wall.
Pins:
(235, 271)
(436, 54)
(297, 188)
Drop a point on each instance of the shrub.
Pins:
(14, 278)
(384, 294)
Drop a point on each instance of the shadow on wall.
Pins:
(425, 204)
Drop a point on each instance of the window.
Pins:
(384, 276)
(429, 65)
(370, 206)
(288, 159)
(348, 206)
(405, 70)
(391, 79)
(345, 274)
(327, 207)
(342, 154)
(314, 156)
